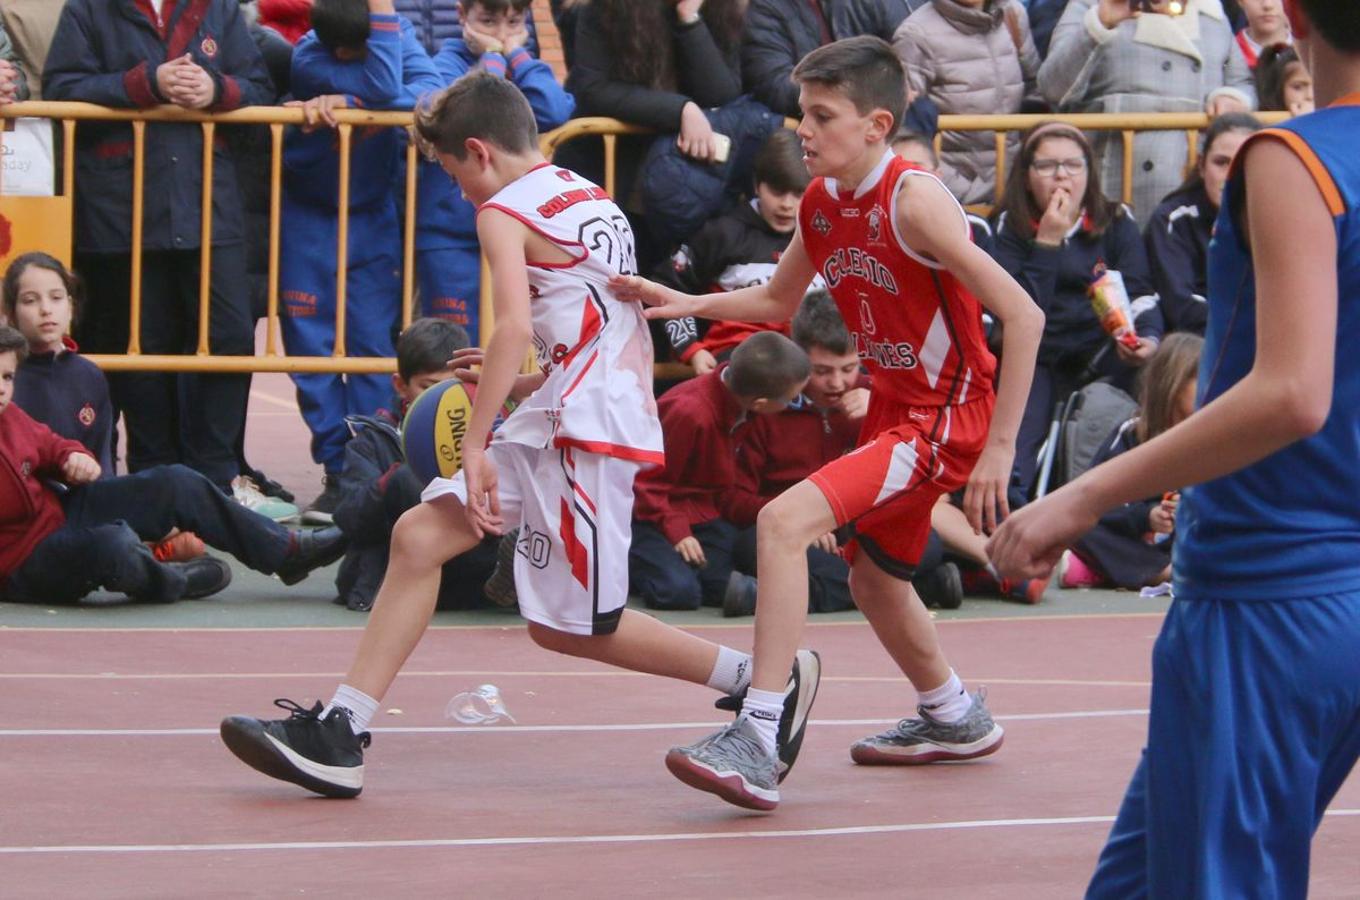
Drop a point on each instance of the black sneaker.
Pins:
(311, 548)
(322, 755)
(204, 577)
(322, 509)
(740, 597)
(268, 486)
(500, 586)
(941, 587)
(798, 696)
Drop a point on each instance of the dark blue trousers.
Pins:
(450, 286)
(108, 522)
(663, 580)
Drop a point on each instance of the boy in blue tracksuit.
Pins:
(359, 54)
(448, 259)
(1255, 715)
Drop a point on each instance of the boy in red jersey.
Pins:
(893, 247)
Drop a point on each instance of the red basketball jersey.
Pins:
(918, 331)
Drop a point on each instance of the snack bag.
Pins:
(1110, 300)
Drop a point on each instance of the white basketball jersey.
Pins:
(595, 349)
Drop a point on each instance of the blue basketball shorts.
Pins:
(1254, 726)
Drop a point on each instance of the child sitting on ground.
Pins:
(681, 555)
(55, 384)
(736, 250)
(376, 485)
(1130, 546)
(103, 523)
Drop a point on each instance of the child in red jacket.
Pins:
(55, 509)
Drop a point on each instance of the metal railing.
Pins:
(273, 359)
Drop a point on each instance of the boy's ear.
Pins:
(479, 150)
(881, 124)
(399, 384)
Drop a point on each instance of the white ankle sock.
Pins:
(732, 672)
(949, 702)
(362, 708)
(763, 709)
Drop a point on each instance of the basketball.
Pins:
(432, 432)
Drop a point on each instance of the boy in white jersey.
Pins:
(561, 467)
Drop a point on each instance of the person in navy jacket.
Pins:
(448, 260)
(360, 53)
(196, 54)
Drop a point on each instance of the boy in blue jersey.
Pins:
(1255, 718)
(359, 53)
(448, 257)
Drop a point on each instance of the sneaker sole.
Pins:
(730, 786)
(923, 754)
(247, 740)
(313, 517)
(807, 661)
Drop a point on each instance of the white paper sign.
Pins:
(26, 161)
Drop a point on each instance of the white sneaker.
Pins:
(245, 492)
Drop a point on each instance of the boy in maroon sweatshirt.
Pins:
(54, 510)
(681, 555)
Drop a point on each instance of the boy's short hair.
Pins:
(495, 7)
(1338, 21)
(779, 164)
(818, 323)
(766, 365)
(9, 293)
(426, 345)
(11, 341)
(478, 105)
(341, 24)
(907, 136)
(865, 69)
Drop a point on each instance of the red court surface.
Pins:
(114, 782)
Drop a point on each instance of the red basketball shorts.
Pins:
(909, 456)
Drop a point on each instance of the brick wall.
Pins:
(549, 41)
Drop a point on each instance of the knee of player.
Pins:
(415, 541)
(786, 523)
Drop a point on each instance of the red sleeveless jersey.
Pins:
(918, 331)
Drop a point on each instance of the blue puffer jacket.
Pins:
(436, 21)
(107, 52)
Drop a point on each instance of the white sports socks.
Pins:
(362, 708)
(763, 709)
(949, 702)
(732, 671)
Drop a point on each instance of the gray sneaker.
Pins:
(915, 742)
(732, 764)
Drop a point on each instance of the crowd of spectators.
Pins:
(712, 194)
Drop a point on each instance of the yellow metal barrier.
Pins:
(47, 221)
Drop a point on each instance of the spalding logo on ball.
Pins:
(432, 432)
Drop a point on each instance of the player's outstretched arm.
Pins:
(775, 301)
(1287, 395)
(929, 218)
(502, 238)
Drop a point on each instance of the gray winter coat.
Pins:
(1134, 69)
(965, 60)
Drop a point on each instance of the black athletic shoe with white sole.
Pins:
(321, 755)
(799, 693)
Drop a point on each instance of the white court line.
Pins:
(552, 729)
(519, 626)
(276, 401)
(583, 838)
(482, 673)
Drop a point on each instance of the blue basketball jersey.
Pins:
(1288, 526)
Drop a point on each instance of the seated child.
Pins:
(681, 555)
(376, 486)
(54, 508)
(776, 452)
(495, 38)
(360, 53)
(1282, 81)
(56, 385)
(736, 250)
(1130, 547)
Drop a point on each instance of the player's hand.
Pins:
(696, 138)
(703, 362)
(854, 403)
(1031, 540)
(320, 111)
(480, 42)
(827, 543)
(1059, 217)
(1221, 104)
(661, 302)
(79, 468)
(1136, 356)
(691, 552)
(984, 500)
(462, 362)
(483, 508)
